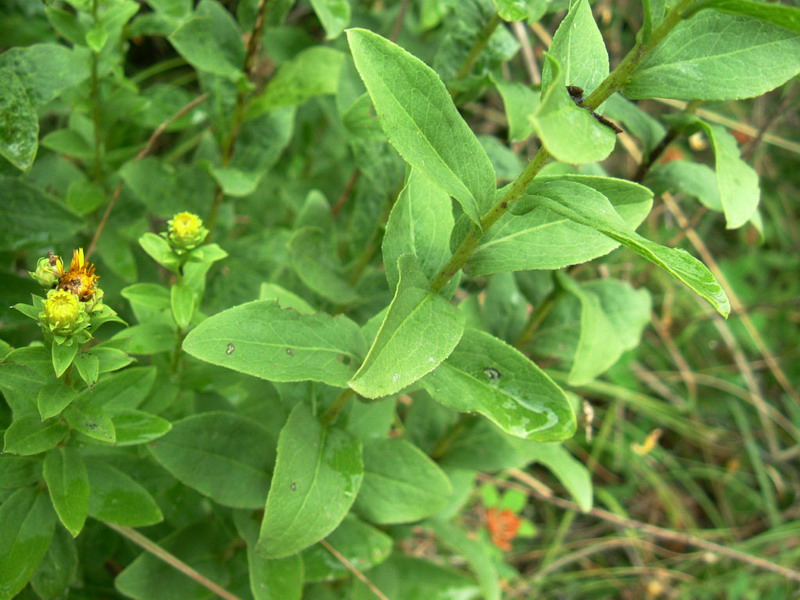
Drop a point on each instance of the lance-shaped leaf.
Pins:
(777, 14)
(589, 207)
(569, 132)
(486, 375)
(422, 122)
(542, 239)
(317, 476)
(419, 331)
(19, 131)
(225, 456)
(26, 528)
(260, 338)
(401, 484)
(737, 182)
(420, 224)
(579, 49)
(715, 56)
(68, 484)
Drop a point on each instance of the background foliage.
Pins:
(408, 361)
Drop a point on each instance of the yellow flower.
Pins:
(79, 278)
(186, 231)
(62, 311)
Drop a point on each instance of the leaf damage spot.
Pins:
(230, 348)
(491, 373)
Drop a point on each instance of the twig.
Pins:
(659, 532)
(736, 125)
(172, 560)
(399, 21)
(736, 304)
(528, 57)
(254, 43)
(148, 148)
(350, 567)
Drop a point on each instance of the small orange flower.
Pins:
(503, 526)
(79, 278)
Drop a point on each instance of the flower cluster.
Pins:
(73, 298)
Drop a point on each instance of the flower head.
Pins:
(63, 312)
(46, 274)
(186, 231)
(79, 278)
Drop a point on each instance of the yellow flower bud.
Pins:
(46, 273)
(186, 231)
(62, 311)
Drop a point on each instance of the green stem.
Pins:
(157, 68)
(537, 316)
(478, 46)
(95, 91)
(615, 81)
(239, 110)
(329, 416)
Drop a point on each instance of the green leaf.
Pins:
(117, 498)
(223, 455)
(46, 70)
(287, 299)
(197, 545)
(422, 122)
(262, 339)
(715, 56)
(589, 207)
(275, 578)
(138, 427)
(26, 528)
(685, 177)
(183, 302)
(28, 435)
(420, 224)
(145, 338)
(572, 474)
(57, 569)
(313, 72)
(333, 14)
(211, 41)
(68, 484)
(68, 142)
(314, 263)
(419, 331)
(159, 250)
(90, 420)
(317, 476)
(18, 471)
(401, 483)
(124, 390)
(53, 398)
(512, 10)
(737, 182)
(776, 14)
(30, 218)
(579, 50)
(429, 580)
(520, 102)
(63, 355)
(88, 365)
(636, 121)
(542, 239)
(473, 552)
(570, 133)
(488, 376)
(19, 130)
(566, 332)
(363, 547)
